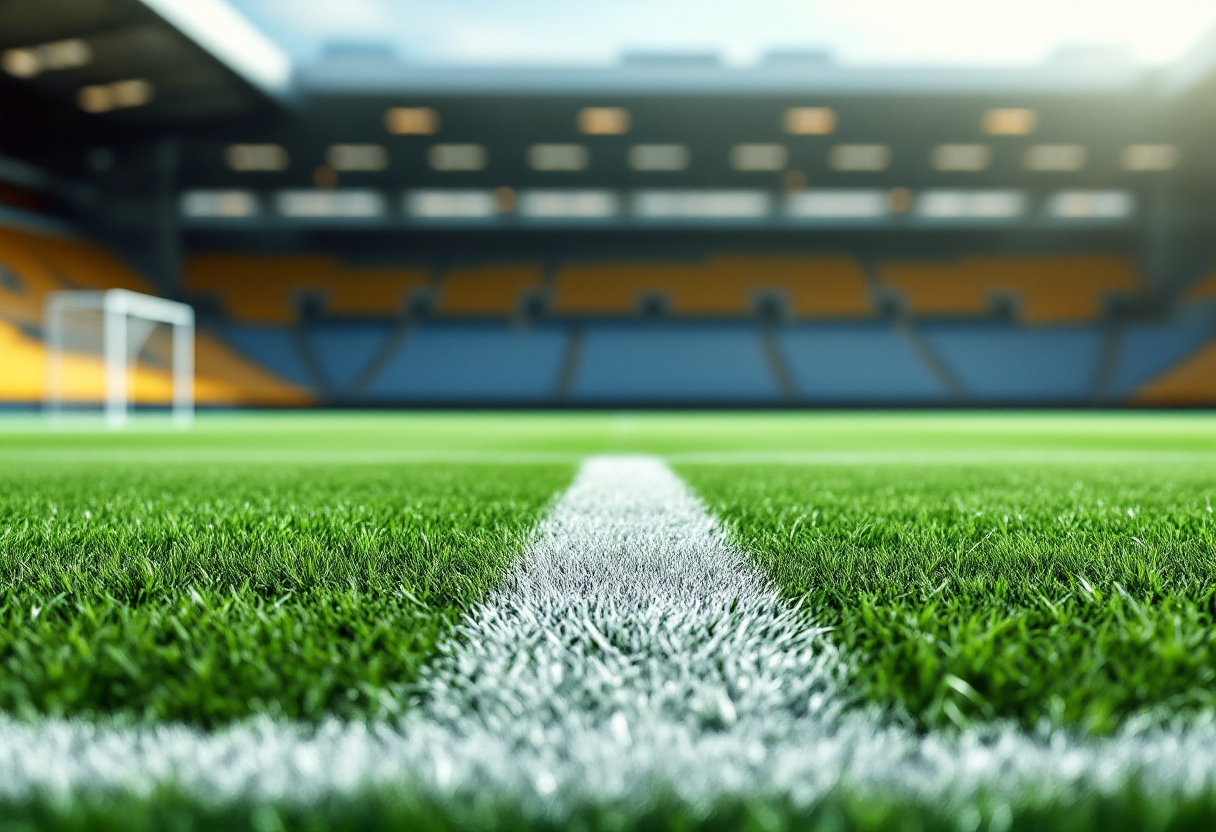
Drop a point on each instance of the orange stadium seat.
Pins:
(487, 290)
(725, 285)
(1052, 289)
(1190, 382)
(1204, 289)
(257, 288)
(38, 264)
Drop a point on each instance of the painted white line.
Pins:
(632, 649)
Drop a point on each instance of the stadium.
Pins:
(491, 416)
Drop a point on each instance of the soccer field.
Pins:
(601, 621)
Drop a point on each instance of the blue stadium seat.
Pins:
(344, 349)
(671, 362)
(1147, 350)
(861, 363)
(474, 363)
(1032, 365)
(270, 346)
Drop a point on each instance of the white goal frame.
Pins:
(117, 307)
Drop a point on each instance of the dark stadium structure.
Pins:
(665, 232)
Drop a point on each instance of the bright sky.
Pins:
(959, 32)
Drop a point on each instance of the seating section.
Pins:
(266, 289)
(344, 350)
(1009, 364)
(861, 363)
(34, 265)
(1191, 382)
(1148, 350)
(1203, 290)
(472, 362)
(274, 347)
(487, 291)
(1047, 289)
(674, 363)
(726, 286)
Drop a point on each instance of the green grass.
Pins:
(1072, 595)
(206, 593)
(303, 565)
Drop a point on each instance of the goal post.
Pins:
(98, 342)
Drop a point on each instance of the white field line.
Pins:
(632, 649)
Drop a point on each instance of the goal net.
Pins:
(109, 352)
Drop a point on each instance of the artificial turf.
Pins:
(1051, 569)
(1061, 595)
(206, 593)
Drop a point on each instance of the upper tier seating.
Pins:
(726, 285)
(861, 363)
(487, 290)
(673, 363)
(265, 289)
(1050, 289)
(999, 363)
(472, 362)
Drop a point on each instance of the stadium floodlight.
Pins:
(1149, 157)
(1091, 205)
(752, 157)
(961, 157)
(810, 121)
(357, 157)
(859, 157)
(604, 121)
(1054, 157)
(95, 342)
(658, 157)
(228, 204)
(456, 157)
(1010, 121)
(257, 157)
(48, 57)
(568, 204)
(558, 157)
(838, 204)
(411, 121)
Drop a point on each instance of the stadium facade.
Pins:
(665, 232)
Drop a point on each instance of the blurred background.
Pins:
(610, 202)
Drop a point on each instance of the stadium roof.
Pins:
(376, 69)
(140, 61)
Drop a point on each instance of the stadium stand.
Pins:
(344, 350)
(36, 264)
(1190, 382)
(1204, 289)
(273, 347)
(674, 362)
(1148, 350)
(725, 285)
(1047, 289)
(472, 362)
(487, 291)
(857, 363)
(267, 289)
(1002, 364)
